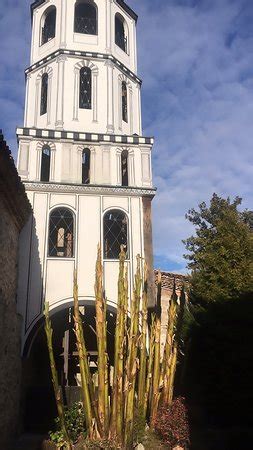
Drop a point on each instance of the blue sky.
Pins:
(196, 61)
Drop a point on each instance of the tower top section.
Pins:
(123, 5)
(102, 27)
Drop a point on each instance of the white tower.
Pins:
(82, 157)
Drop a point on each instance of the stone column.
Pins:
(110, 97)
(49, 97)
(37, 100)
(131, 109)
(60, 92)
(148, 249)
(63, 24)
(28, 79)
(76, 94)
(95, 94)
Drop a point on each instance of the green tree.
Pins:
(221, 251)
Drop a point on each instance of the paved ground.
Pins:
(28, 442)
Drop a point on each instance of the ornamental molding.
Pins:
(99, 56)
(38, 133)
(89, 189)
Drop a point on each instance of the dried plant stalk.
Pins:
(57, 388)
(101, 329)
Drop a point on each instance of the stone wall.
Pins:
(14, 212)
(168, 281)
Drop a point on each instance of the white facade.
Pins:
(107, 126)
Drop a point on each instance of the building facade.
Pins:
(83, 159)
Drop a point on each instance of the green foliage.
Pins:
(74, 420)
(221, 252)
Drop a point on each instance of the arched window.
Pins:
(86, 166)
(61, 233)
(45, 164)
(48, 29)
(124, 167)
(120, 33)
(85, 88)
(124, 101)
(115, 233)
(44, 92)
(85, 17)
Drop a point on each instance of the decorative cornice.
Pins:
(121, 3)
(84, 137)
(89, 189)
(94, 55)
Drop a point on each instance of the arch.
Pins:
(48, 25)
(45, 166)
(125, 101)
(121, 32)
(92, 104)
(86, 166)
(61, 233)
(115, 233)
(85, 21)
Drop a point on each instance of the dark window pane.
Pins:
(85, 88)
(124, 101)
(115, 233)
(120, 38)
(85, 19)
(61, 237)
(48, 31)
(86, 166)
(44, 91)
(124, 168)
(45, 164)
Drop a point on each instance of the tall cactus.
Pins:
(101, 329)
(157, 352)
(176, 346)
(117, 409)
(168, 349)
(132, 363)
(57, 388)
(143, 347)
(86, 381)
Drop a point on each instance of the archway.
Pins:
(38, 397)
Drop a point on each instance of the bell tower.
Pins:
(83, 159)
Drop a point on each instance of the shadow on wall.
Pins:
(217, 377)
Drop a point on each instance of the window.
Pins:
(86, 166)
(124, 167)
(48, 30)
(45, 164)
(61, 233)
(124, 101)
(85, 18)
(85, 88)
(115, 233)
(44, 91)
(120, 34)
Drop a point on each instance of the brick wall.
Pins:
(14, 212)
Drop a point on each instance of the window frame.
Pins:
(93, 5)
(45, 147)
(44, 92)
(86, 151)
(113, 209)
(55, 257)
(124, 44)
(124, 101)
(50, 10)
(81, 71)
